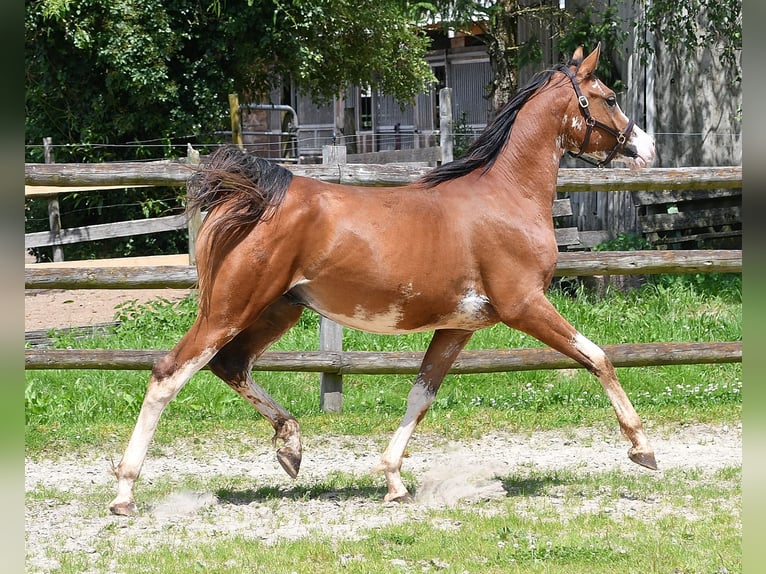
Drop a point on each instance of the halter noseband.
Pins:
(591, 122)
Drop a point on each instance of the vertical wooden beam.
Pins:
(54, 213)
(236, 121)
(445, 124)
(334, 154)
(330, 384)
(330, 332)
(195, 216)
(339, 114)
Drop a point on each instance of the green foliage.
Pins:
(586, 26)
(687, 25)
(624, 242)
(722, 286)
(81, 209)
(336, 43)
(463, 135)
(156, 324)
(113, 80)
(118, 71)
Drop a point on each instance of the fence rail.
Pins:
(579, 264)
(404, 363)
(130, 174)
(48, 180)
(333, 362)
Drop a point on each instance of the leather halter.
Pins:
(591, 122)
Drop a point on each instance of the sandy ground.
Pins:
(62, 516)
(57, 308)
(447, 474)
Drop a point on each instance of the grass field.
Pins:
(84, 406)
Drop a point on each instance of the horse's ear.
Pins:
(589, 64)
(576, 57)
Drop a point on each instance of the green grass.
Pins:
(69, 409)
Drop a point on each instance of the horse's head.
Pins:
(596, 129)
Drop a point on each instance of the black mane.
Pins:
(484, 151)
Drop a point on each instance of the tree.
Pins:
(128, 79)
(117, 71)
(686, 25)
(499, 23)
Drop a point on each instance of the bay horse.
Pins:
(468, 245)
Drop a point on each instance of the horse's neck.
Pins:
(529, 163)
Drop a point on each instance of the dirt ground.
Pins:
(58, 308)
(466, 473)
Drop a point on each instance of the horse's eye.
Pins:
(611, 101)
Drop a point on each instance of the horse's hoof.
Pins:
(123, 508)
(645, 459)
(406, 497)
(290, 461)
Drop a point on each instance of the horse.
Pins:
(468, 245)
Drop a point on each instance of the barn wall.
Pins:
(690, 107)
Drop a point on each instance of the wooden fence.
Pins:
(331, 361)
(50, 180)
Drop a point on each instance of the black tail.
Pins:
(239, 190)
(252, 187)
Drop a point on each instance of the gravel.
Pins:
(446, 474)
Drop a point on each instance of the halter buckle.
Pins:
(583, 100)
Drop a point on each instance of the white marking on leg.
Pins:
(630, 423)
(158, 395)
(589, 349)
(418, 401)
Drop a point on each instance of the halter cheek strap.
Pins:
(591, 122)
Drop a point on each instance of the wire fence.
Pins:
(274, 145)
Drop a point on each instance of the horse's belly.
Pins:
(470, 311)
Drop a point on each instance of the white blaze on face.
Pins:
(603, 90)
(644, 145)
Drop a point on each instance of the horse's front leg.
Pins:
(444, 348)
(541, 320)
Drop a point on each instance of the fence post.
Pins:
(195, 216)
(54, 213)
(330, 332)
(445, 124)
(236, 121)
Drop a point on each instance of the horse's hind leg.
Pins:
(541, 320)
(169, 375)
(233, 362)
(444, 348)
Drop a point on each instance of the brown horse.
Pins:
(468, 245)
